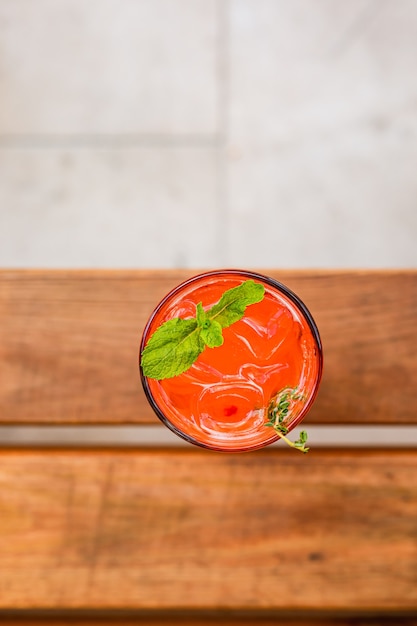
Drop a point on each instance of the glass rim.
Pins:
(272, 282)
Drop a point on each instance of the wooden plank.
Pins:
(195, 530)
(368, 324)
(69, 344)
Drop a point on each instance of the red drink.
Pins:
(224, 399)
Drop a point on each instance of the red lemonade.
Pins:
(269, 358)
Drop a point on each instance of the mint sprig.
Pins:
(177, 343)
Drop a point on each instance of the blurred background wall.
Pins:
(203, 133)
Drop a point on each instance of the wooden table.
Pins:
(189, 536)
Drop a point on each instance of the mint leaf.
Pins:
(176, 344)
(231, 306)
(210, 330)
(172, 349)
(201, 316)
(212, 334)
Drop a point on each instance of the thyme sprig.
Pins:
(278, 414)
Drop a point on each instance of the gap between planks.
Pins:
(134, 436)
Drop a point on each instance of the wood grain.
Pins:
(69, 344)
(218, 620)
(194, 530)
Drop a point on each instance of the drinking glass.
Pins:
(270, 360)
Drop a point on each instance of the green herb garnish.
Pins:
(278, 414)
(176, 344)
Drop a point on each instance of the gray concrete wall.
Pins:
(196, 133)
